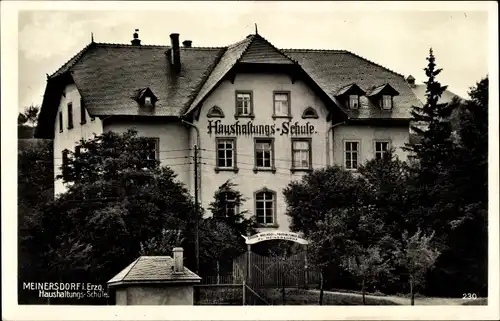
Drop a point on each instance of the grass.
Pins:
(308, 297)
(293, 296)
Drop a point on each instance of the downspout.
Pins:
(198, 143)
(327, 139)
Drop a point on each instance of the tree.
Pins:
(280, 254)
(29, 116)
(226, 208)
(366, 264)
(317, 193)
(464, 265)
(220, 243)
(26, 121)
(418, 255)
(431, 182)
(35, 183)
(116, 200)
(386, 180)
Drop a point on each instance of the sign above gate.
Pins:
(274, 235)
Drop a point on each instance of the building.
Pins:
(264, 115)
(155, 280)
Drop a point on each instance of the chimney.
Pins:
(187, 43)
(178, 253)
(136, 41)
(411, 81)
(175, 55)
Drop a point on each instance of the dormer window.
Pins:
(383, 95)
(386, 102)
(145, 97)
(349, 96)
(353, 101)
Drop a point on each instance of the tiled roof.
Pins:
(109, 75)
(335, 69)
(153, 268)
(420, 91)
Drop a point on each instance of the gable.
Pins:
(261, 51)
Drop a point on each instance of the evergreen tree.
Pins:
(430, 184)
(464, 265)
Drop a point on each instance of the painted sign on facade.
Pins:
(275, 235)
(249, 128)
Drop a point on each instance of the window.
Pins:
(353, 101)
(230, 199)
(61, 122)
(244, 103)
(65, 163)
(351, 155)
(380, 148)
(70, 115)
(151, 149)
(264, 154)
(281, 104)
(386, 102)
(226, 154)
(309, 112)
(147, 101)
(301, 154)
(83, 114)
(215, 112)
(265, 207)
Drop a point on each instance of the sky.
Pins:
(398, 39)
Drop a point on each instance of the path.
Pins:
(403, 301)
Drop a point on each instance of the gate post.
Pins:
(249, 264)
(306, 270)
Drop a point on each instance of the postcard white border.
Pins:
(12, 311)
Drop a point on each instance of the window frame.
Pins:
(312, 110)
(61, 122)
(349, 102)
(256, 168)
(243, 92)
(289, 101)
(156, 140)
(382, 105)
(70, 115)
(274, 207)
(234, 168)
(294, 169)
(215, 112)
(83, 113)
(375, 142)
(358, 154)
(236, 208)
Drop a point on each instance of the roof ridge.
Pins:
(128, 45)
(376, 64)
(315, 50)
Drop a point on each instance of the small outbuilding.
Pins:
(155, 280)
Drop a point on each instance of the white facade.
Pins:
(176, 140)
